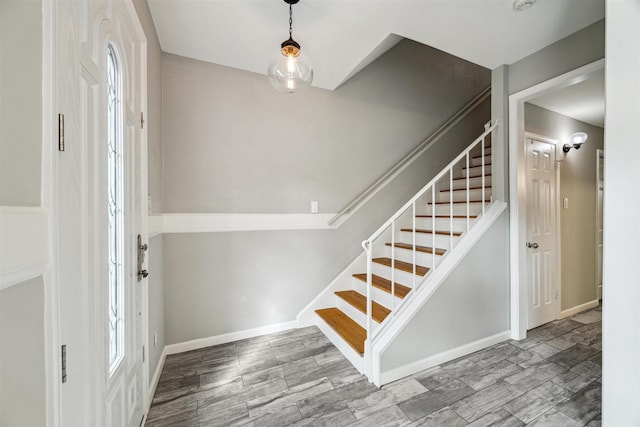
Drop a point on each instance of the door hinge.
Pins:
(557, 293)
(143, 354)
(60, 132)
(141, 120)
(63, 363)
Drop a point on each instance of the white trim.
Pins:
(155, 225)
(24, 244)
(517, 193)
(578, 308)
(446, 356)
(229, 337)
(155, 379)
(208, 223)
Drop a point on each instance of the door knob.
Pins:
(532, 245)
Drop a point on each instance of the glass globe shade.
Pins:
(290, 73)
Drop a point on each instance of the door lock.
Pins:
(142, 248)
(532, 245)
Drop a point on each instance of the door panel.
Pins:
(541, 232)
(92, 395)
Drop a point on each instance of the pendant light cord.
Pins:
(290, 21)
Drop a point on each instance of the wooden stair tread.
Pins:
(401, 265)
(459, 202)
(359, 301)
(464, 189)
(447, 216)
(419, 248)
(439, 232)
(479, 166)
(383, 284)
(346, 327)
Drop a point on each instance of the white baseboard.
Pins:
(578, 308)
(231, 336)
(437, 359)
(156, 376)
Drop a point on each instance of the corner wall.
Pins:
(578, 184)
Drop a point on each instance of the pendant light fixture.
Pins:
(290, 70)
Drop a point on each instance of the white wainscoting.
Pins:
(24, 244)
(211, 223)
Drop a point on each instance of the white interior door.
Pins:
(100, 209)
(599, 228)
(541, 232)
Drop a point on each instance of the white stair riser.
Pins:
(473, 182)
(477, 170)
(478, 160)
(425, 239)
(406, 255)
(459, 224)
(461, 195)
(458, 209)
(380, 296)
(402, 277)
(355, 314)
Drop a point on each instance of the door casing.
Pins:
(517, 190)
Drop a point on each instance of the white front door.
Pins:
(541, 232)
(100, 210)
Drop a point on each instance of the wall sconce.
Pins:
(575, 141)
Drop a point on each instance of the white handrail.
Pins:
(424, 189)
(368, 243)
(409, 158)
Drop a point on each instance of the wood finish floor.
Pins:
(298, 378)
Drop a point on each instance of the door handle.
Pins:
(142, 248)
(532, 245)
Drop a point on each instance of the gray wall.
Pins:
(578, 184)
(232, 144)
(22, 365)
(20, 102)
(580, 48)
(154, 129)
(471, 304)
(227, 149)
(217, 283)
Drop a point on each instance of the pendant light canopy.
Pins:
(290, 70)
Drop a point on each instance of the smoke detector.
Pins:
(522, 5)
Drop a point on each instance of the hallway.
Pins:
(297, 377)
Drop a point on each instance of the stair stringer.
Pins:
(392, 328)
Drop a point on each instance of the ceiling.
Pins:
(340, 37)
(583, 101)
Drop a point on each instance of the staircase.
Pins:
(407, 258)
